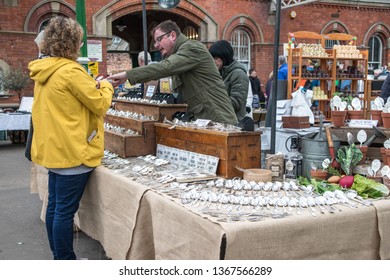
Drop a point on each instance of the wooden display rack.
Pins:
(329, 65)
(125, 145)
(373, 151)
(241, 149)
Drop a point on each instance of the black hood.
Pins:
(223, 50)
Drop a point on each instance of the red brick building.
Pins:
(248, 24)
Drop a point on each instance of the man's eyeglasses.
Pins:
(159, 38)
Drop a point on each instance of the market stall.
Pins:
(202, 195)
(141, 221)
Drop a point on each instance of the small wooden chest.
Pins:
(295, 122)
(233, 149)
(129, 145)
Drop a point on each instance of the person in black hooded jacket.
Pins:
(233, 74)
(385, 90)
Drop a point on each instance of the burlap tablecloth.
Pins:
(166, 230)
(134, 223)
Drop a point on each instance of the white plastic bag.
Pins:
(301, 103)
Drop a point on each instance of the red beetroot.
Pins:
(346, 181)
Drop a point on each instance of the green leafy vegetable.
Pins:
(318, 186)
(368, 188)
(349, 157)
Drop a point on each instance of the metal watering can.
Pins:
(314, 148)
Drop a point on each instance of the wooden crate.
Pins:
(158, 111)
(129, 145)
(233, 149)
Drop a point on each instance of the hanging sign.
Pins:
(95, 50)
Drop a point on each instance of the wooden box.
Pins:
(129, 145)
(295, 122)
(158, 111)
(233, 149)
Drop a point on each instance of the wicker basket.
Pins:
(258, 175)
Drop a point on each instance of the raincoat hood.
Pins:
(42, 69)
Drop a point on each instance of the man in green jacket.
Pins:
(194, 74)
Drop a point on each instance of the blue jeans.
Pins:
(65, 192)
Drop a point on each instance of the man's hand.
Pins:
(117, 79)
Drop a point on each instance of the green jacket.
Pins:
(237, 83)
(196, 77)
(67, 114)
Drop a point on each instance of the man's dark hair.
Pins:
(251, 70)
(167, 26)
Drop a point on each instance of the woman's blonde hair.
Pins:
(62, 38)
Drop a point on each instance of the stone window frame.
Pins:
(241, 43)
(378, 51)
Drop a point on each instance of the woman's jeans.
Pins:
(65, 192)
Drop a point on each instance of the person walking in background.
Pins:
(67, 114)
(283, 69)
(268, 87)
(141, 58)
(233, 74)
(256, 87)
(194, 74)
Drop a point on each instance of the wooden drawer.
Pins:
(233, 149)
(128, 123)
(158, 111)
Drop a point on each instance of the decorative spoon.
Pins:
(362, 136)
(375, 165)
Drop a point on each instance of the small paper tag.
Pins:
(202, 122)
(93, 134)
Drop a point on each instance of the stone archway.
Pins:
(103, 19)
(247, 23)
(44, 10)
(333, 26)
(380, 29)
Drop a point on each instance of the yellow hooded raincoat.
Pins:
(67, 114)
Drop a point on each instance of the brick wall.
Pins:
(17, 47)
(118, 62)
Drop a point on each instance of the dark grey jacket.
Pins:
(385, 90)
(237, 83)
(195, 76)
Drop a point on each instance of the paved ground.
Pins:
(22, 232)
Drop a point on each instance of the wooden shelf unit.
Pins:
(328, 75)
